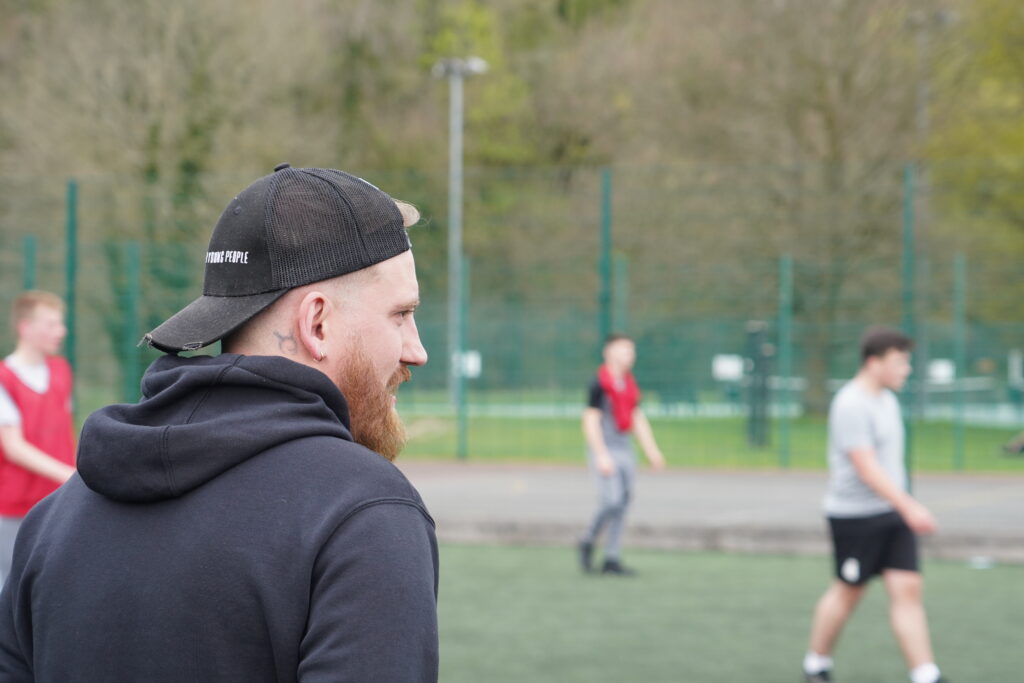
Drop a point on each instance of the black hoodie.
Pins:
(225, 528)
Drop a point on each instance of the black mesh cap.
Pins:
(293, 227)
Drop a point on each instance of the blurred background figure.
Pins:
(611, 417)
(873, 518)
(1015, 446)
(37, 451)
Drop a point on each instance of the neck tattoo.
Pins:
(286, 343)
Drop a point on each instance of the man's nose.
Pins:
(413, 352)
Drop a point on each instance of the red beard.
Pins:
(371, 406)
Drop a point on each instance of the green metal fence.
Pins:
(746, 289)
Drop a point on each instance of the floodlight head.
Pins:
(474, 66)
(456, 66)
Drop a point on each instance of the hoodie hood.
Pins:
(199, 417)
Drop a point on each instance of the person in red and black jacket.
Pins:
(37, 449)
(612, 415)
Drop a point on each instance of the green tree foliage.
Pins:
(500, 102)
(976, 145)
(983, 61)
(737, 130)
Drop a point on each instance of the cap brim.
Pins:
(208, 319)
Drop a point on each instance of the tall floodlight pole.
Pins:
(456, 70)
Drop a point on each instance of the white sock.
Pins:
(926, 673)
(815, 663)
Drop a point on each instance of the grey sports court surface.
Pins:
(980, 516)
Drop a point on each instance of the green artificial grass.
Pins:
(698, 442)
(687, 442)
(528, 614)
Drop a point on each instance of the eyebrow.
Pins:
(413, 303)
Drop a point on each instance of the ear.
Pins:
(314, 311)
(21, 326)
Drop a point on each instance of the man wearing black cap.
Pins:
(240, 522)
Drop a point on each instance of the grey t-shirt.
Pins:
(859, 420)
(619, 443)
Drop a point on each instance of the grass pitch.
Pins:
(698, 442)
(528, 614)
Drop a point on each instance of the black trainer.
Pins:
(820, 677)
(614, 567)
(586, 551)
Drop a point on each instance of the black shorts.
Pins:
(867, 546)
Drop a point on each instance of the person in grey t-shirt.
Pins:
(873, 519)
(612, 415)
(859, 417)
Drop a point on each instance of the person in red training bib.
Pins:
(37, 449)
(610, 419)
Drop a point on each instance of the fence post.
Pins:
(130, 352)
(908, 322)
(28, 272)
(620, 309)
(605, 261)
(462, 417)
(785, 341)
(960, 356)
(71, 266)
